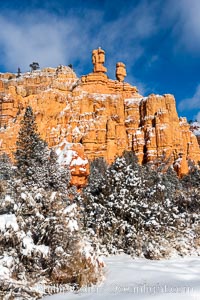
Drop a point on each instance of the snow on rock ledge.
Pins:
(72, 155)
(99, 113)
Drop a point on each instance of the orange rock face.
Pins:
(73, 155)
(98, 59)
(98, 116)
(120, 71)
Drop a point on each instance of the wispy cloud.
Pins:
(137, 35)
(185, 15)
(197, 117)
(51, 40)
(191, 103)
(39, 37)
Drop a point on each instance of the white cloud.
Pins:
(185, 17)
(51, 40)
(41, 38)
(191, 103)
(197, 117)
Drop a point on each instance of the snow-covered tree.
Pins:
(57, 177)
(6, 178)
(191, 185)
(139, 210)
(41, 240)
(36, 165)
(32, 152)
(6, 168)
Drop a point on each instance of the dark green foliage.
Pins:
(6, 169)
(137, 208)
(36, 165)
(98, 169)
(44, 237)
(191, 184)
(6, 179)
(57, 177)
(32, 152)
(34, 66)
(192, 179)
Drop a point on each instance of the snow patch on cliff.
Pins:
(79, 162)
(65, 153)
(69, 157)
(195, 128)
(131, 101)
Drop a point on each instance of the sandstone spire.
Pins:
(98, 59)
(120, 71)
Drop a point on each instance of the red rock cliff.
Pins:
(96, 115)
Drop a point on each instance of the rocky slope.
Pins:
(95, 116)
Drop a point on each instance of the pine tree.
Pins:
(42, 231)
(98, 169)
(6, 179)
(40, 227)
(32, 152)
(36, 164)
(140, 210)
(41, 234)
(6, 169)
(57, 176)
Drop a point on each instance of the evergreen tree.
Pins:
(98, 169)
(36, 164)
(190, 199)
(6, 168)
(6, 179)
(41, 235)
(32, 152)
(40, 229)
(57, 176)
(139, 210)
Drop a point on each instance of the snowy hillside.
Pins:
(142, 279)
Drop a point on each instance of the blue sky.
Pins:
(158, 40)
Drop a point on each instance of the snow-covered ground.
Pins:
(128, 279)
